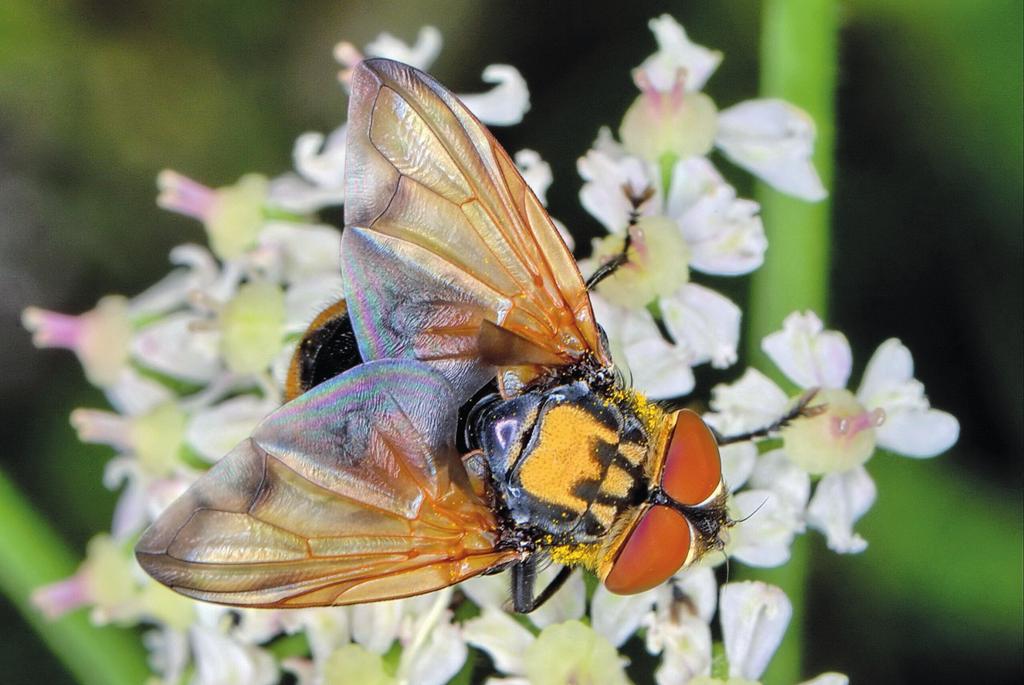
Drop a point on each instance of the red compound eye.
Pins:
(653, 551)
(693, 467)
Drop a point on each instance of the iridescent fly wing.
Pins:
(351, 493)
(448, 256)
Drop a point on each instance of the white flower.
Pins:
(889, 410)
(770, 138)
(562, 654)
(699, 224)
(754, 618)
(319, 178)
(679, 627)
(770, 513)
(221, 660)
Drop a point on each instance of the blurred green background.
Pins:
(97, 96)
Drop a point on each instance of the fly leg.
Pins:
(800, 410)
(524, 578)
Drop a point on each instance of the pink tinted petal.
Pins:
(181, 194)
(52, 329)
(918, 434)
(676, 52)
(56, 599)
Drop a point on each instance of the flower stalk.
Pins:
(799, 57)
(31, 554)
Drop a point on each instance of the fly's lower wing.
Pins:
(448, 256)
(351, 493)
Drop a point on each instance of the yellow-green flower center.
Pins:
(658, 262)
(572, 653)
(156, 438)
(236, 216)
(353, 664)
(838, 439)
(106, 336)
(252, 325)
(678, 124)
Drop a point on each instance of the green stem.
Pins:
(31, 555)
(799, 56)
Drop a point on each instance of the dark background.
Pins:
(96, 97)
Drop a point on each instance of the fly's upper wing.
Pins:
(351, 493)
(448, 256)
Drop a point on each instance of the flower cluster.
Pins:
(191, 365)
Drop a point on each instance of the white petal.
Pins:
(220, 660)
(213, 432)
(738, 462)
(754, 618)
(536, 172)
(437, 660)
(889, 381)
(420, 55)
(839, 501)
(700, 588)
(501, 636)
(686, 650)
(704, 323)
(305, 299)
(181, 346)
(828, 679)
(808, 354)
(326, 628)
(655, 366)
(765, 528)
(775, 140)
(602, 193)
(570, 602)
(617, 617)
(489, 591)
(506, 103)
(130, 511)
(566, 236)
(675, 51)
(725, 234)
(748, 404)
(693, 179)
(320, 181)
(891, 364)
(321, 160)
(170, 292)
(134, 394)
(777, 473)
(305, 250)
(918, 433)
(375, 626)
